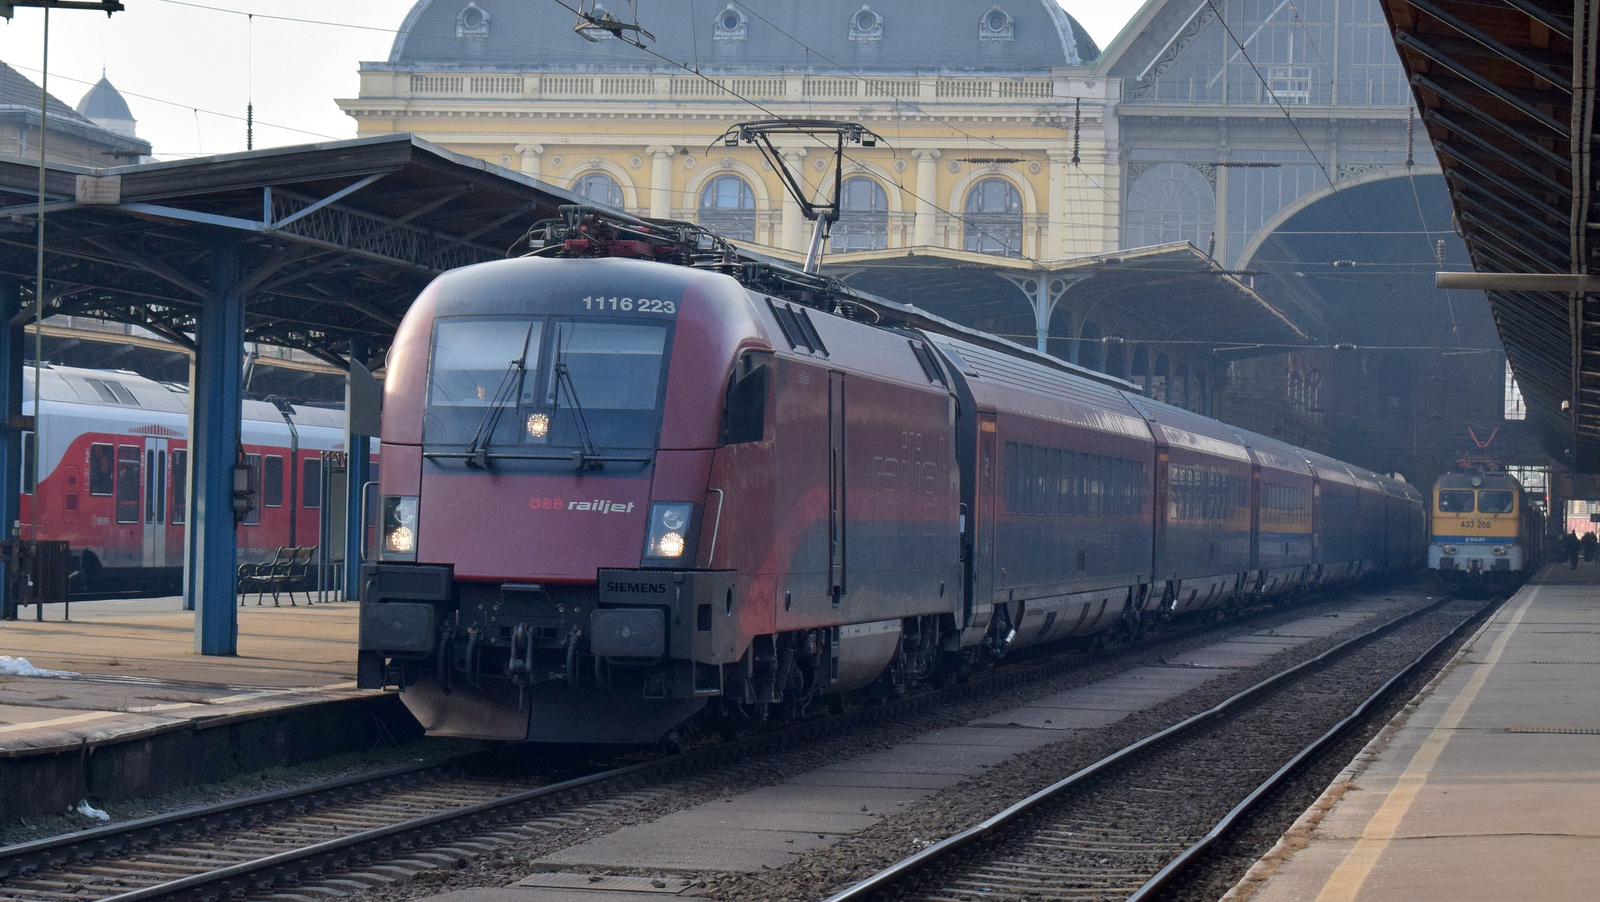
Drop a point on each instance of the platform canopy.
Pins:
(1495, 84)
(320, 248)
(335, 240)
(1166, 293)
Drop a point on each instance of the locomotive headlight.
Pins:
(1449, 549)
(666, 541)
(538, 426)
(399, 528)
(671, 545)
(1499, 549)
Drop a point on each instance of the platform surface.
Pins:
(1487, 787)
(135, 668)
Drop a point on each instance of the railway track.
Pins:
(1128, 827)
(391, 824)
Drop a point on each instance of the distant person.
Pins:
(1569, 548)
(1588, 543)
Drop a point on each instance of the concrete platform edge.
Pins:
(1295, 838)
(165, 757)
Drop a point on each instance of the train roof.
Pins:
(1486, 480)
(127, 390)
(1188, 429)
(1096, 405)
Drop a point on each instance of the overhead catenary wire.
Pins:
(1222, 20)
(179, 104)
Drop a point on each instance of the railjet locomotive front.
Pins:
(616, 491)
(587, 533)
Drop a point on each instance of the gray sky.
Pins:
(187, 68)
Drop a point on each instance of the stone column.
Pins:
(795, 237)
(530, 158)
(927, 196)
(660, 180)
(1219, 226)
(1057, 204)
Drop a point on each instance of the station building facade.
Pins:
(1268, 135)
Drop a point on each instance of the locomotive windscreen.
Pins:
(550, 383)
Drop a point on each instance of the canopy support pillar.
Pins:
(360, 473)
(214, 450)
(12, 385)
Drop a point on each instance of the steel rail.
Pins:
(312, 860)
(27, 857)
(942, 850)
(1166, 875)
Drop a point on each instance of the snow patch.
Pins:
(10, 666)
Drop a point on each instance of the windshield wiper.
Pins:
(478, 448)
(588, 457)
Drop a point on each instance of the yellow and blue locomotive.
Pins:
(1482, 525)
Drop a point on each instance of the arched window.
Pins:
(863, 216)
(728, 207)
(600, 188)
(1170, 202)
(993, 218)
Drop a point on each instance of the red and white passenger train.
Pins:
(617, 490)
(114, 465)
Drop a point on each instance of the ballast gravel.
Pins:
(815, 874)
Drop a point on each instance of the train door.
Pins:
(838, 527)
(988, 467)
(155, 502)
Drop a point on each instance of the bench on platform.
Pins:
(288, 570)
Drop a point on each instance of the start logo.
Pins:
(596, 505)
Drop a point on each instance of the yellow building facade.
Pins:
(995, 134)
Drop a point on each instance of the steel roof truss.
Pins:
(1528, 63)
(1455, 67)
(1505, 128)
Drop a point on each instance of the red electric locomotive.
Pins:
(114, 465)
(617, 490)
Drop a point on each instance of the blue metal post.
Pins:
(12, 386)
(360, 448)
(189, 531)
(213, 449)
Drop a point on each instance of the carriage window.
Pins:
(130, 483)
(1495, 502)
(311, 484)
(272, 484)
(253, 461)
(102, 469)
(1458, 502)
(180, 486)
(150, 485)
(27, 463)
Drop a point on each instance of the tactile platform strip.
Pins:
(1563, 731)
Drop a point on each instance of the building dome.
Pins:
(903, 36)
(104, 106)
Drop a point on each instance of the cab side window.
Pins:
(745, 416)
